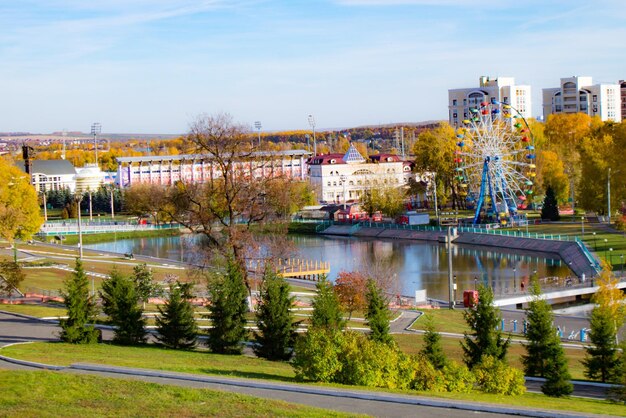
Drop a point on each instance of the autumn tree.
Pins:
(434, 152)
(146, 199)
(11, 276)
(351, 288)
(226, 206)
(20, 216)
(285, 196)
(604, 148)
(564, 133)
(552, 175)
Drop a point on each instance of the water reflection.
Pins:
(416, 264)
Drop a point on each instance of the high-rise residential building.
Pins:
(502, 89)
(580, 95)
(622, 85)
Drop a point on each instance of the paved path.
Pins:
(16, 328)
(366, 402)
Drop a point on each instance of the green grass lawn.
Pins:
(413, 343)
(40, 311)
(444, 320)
(51, 394)
(151, 357)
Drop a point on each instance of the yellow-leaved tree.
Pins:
(20, 216)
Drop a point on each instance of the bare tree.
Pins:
(234, 197)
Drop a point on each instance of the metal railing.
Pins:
(427, 228)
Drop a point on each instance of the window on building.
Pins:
(453, 102)
(454, 115)
(595, 98)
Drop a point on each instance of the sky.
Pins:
(153, 66)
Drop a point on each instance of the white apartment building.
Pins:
(502, 89)
(332, 175)
(622, 85)
(580, 95)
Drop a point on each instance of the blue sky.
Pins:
(151, 66)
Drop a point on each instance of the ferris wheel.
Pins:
(495, 161)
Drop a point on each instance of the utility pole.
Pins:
(112, 205)
(451, 283)
(79, 199)
(435, 195)
(402, 140)
(608, 194)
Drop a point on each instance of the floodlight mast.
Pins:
(258, 126)
(96, 129)
(312, 125)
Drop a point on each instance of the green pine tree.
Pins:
(146, 288)
(550, 209)
(277, 330)
(176, 323)
(227, 311)
(433, 349)
(120, 302)
(556, 372)
(377, 314)
(326, 307)
(602, 361)
(539, 333)
(544, 353)
(485, 339)
(81, 309)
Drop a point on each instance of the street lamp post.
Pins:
(312, 124)
(621, 261)
(608, 194)
(605, 247)
(435, 196)
(514, 279)
(454, 289)
(79, 199)
(45, 207)
(595, 247)
(611, 256)
(258, 125)
(90, 207)
(451, 281)
(582, 225)
(343, 179)
(112, 204)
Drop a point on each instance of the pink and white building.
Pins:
(198, 168)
